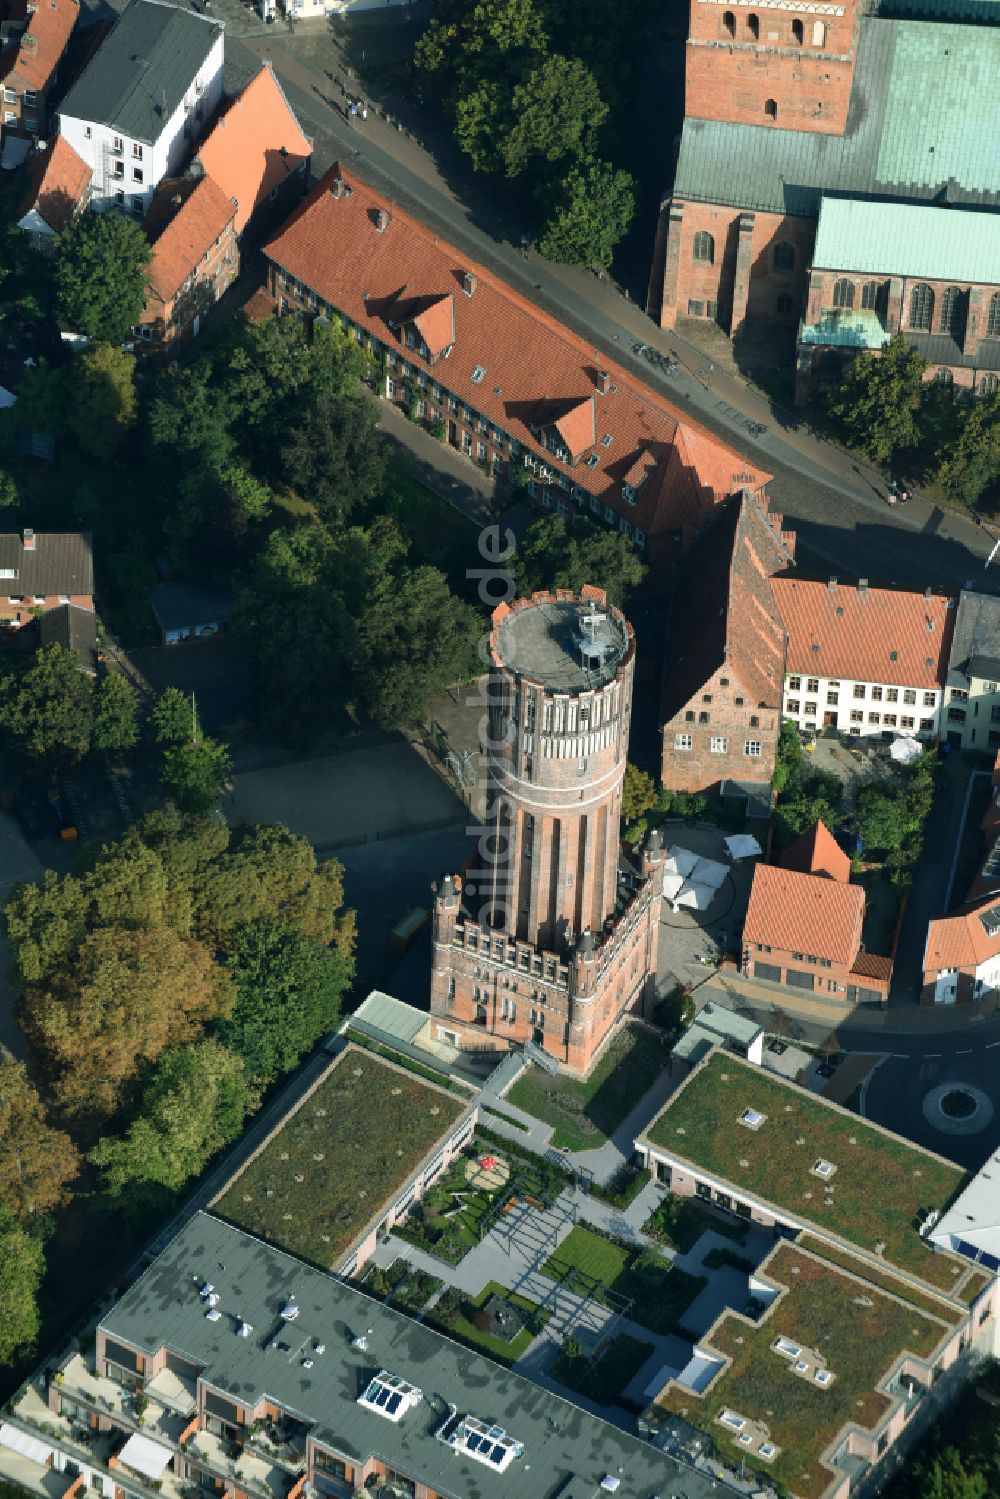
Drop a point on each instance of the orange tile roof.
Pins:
(185, 218)
(436, 324)
(59, 182)
(35, 57)
(866, 634)
(818, 852)
(961, 941)
(872, 965)
(255, 145)
(793, 912)
(533, 364)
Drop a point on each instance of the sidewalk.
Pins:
(734, 992)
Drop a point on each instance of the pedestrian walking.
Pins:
(364, 111)
(354, 112)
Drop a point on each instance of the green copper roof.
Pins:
(841, 328)
(907, 239)
(987, 11)
(923, 125)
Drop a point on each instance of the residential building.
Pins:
(970, 1226)
(962, 955)
(725, 657)
(58, 189)
(34, 35)
(137, 110)
(189, 611)
(263, 1376)
(881, 102)
(804, 924)
(192, 228)
(74, 627)
(258, 155)
(499, 379)
(44, 570)
(559, 945)
(879, 269)
(864, 661)
(972, 693)
(855, 1298)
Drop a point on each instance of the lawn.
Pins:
(882, 1185)
(860, 1334)
(447, 1222)
(607, 1270)
(681, 1221)
(604, 1380)
(339, 1158)
(401, 1286)
(456, 1314)
(586, 1113)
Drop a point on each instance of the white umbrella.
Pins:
(671, 884)
(679, 860)
(743, 846)
(697, 897)
(905, 750)
(709, 872)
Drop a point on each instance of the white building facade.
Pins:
(861, 709)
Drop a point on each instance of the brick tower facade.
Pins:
(549, 941)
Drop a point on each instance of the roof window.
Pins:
(731, 1419)
(592, 462)
(752, 1118)
(825, 1169)
(389, 1396)
(606, 440)
(478, 375)
(786, 1347)
(485, 1444)
(767, 1450)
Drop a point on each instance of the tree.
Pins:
(884, 817)
(189, 418)
(557, 111)
(37, 1162)
(127, 996)
(877, 406)
(416, 638)
(101, 399)
(638, 793)
(333, 455)
(46, 710)
(100, 275)
(45, 923)
(288, 994)
(174, 717)
(196, 774)
(21, 1265)
(8, 490)
(560, 554)
(116, 704)
(789, 766)
(972, 463)
(194, 1104)
(270, 872)
(590, 216)
(946, 1477)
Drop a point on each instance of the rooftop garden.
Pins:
(586, 1112)
(474, 1321)
(605, 1378)
(877, 1193)
(848, 1326)
(339, 1158)
(607, 1270)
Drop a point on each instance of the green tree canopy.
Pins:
(557, 553)
(21, 1265)
(174, 717)
(416, 638)
(972, 463)
(37, 1162)
(116, 704)
(591, 214)
(288, 995)
(333, 454)
(100, 275)
(196, 774)
(877, 407)
(557, 111)
(269, 871)
(193, 1105)
(46, 708)
(638, 793)
(101, 399)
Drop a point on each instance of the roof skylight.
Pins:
(389, 1396)
(752, 1118)
(825, 1169)
(478, 375)
(485, 1444)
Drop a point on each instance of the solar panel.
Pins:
(393, 1403)
(497, 1455)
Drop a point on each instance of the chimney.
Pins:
(832, 585)
(469, 283)
(337, 187)
(862, 586)
(29, 540)
(382, 218)
(602, 380)
(928, 593)
(29, 42)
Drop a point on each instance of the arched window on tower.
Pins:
(843, 293)
(798, 32)
(729, 22)
(921, 307)
(819, 33)
(993, 317)
(784, 256)
(704, 247)
(953, 305)
(753, 26)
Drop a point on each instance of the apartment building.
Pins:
(864, 661)
(961, 962)
(138, 109)
(44, 570)
(192, 228)
(496, 377)
(58, 189)
(34, 35)
(971, 717)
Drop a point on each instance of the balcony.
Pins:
(84, 1447)
(240, 1466)
(106, 1398)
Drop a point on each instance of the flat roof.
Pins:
(562, 1442)
(342, 1154)
(907, 239)
(881, 1185)
(142, 70)
(394, 1018)
(547, 641)
(974, 1216)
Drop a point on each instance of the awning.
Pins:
(671, 884)
(906, 750)
(144, 1456)
(19, 1441)
(743, 846)
(698, 897)
(679, 860)
(709, 872)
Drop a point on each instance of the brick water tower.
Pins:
(551, 938)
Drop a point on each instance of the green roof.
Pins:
(923, 125)
(987, 11)
(881, 1186)
(908, 239)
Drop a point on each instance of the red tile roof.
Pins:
(58, 186)
(793, 912)
(866, 634)
(962, 941)
(872, 965)
(818, 852)
(34, 58)
(185, 218)
(255, 145)
(532, 370)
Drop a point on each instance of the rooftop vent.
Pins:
(339, 188)
(290, 1310)
(603, 381)
(319, 1348)
(610, 1484)
(469, 283)
(862, 585)
(382, 218)
(485, 1444)
(824, 1168)
(360, 1342)
(206, 1289)
(389, 1396)
(832, 585)
(594, 640)
(213, 1315)
(752, 1118)
(28, 538)
(244, 1328)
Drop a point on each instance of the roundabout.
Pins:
(957, 1108)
